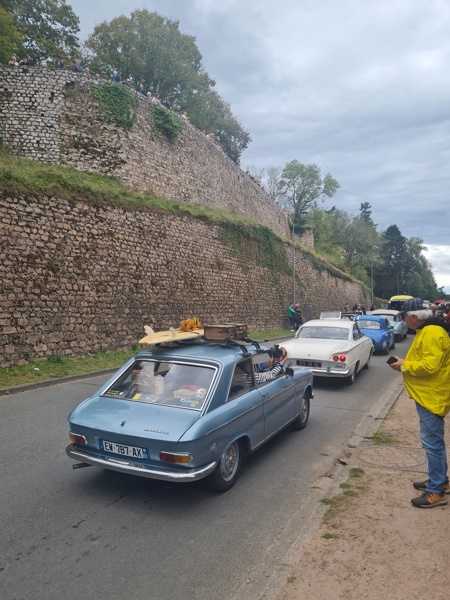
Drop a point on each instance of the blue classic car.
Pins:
(379, 330)
(184, 411)
(400, 327)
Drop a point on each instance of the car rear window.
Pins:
(324, 333)
(369, 324)
(165, 383)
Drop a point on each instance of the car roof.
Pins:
(219, 352)
(328, 323)
(385, 311)
(379, 318)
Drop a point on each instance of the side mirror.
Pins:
(289, 371)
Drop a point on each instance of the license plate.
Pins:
(123, 450)
(308, 363)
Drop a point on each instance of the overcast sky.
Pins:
(359, 87)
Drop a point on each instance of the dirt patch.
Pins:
(372, 542)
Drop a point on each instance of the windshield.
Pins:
(167, 383)
(369, 324)
(324, 333)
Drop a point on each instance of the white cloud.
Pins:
(439, 257)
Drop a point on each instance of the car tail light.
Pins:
(339, 358)
(176, 458)
(77, 439)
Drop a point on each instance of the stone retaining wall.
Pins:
(51, 116)
(77, 279)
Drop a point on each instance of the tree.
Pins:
(300, 187)
(389, 274)
(365, 212)
(48, 28)
(150, 48)
(272, 179)
(11, 40)
(210, 113)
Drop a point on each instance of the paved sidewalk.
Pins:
(373, 543)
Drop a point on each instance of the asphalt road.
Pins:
(84, 533)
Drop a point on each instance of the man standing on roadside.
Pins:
(426, 375)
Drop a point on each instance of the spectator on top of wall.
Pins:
(97, 76)
(156, 99)
(23, 62)
(166, 104)
(76, 67)
(117, 78)
(184, 116)
(140, 89)
(13, 61)
(85, 72)
(61, 64)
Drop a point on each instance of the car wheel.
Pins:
(367, 365)
(302, 419)
(393, 344)
(386, 349)
(226, 473)
(350, 380)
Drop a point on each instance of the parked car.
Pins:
(188, 410)
(379, 330)
(330, 347)
(395, 320)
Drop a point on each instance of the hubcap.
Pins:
(229, 462)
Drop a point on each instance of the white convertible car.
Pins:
(330, 347)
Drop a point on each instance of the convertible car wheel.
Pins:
(226, 473)
(302, 419)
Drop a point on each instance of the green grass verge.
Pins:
(56, 366)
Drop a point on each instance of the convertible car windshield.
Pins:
(171, 384)
(325, 333)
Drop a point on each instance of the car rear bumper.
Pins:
(330, 372)
(124, 466)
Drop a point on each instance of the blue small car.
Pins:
(185, 411)
(379, 330)
(400, 327)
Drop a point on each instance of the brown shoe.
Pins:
(422, 485)
(428, 500)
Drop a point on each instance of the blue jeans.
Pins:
(432, 439)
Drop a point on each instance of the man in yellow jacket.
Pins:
(426, 375)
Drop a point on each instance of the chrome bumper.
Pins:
(330, 372)
(123, 466)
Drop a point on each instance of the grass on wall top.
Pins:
(22, 176)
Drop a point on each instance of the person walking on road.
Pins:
(426, 375)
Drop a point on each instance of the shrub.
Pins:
(166, 122)
(118, 102)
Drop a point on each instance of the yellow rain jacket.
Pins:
(426, 369)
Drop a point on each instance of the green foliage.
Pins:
(166, 122)
(48, 28)
(150, 48)
(299, 188)
(210, 113)
(255, 244)
(11, 40)
(118, 102)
